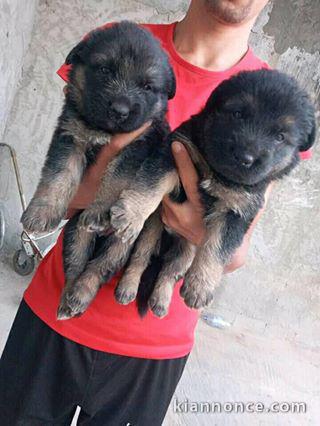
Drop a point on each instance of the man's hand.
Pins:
(91, 180)
(187, 218)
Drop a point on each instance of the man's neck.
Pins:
(210, 44)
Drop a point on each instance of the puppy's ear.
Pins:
(216, 97)
(76, 54)
(310, 137)
(171, 83)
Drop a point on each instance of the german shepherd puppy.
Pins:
(249, 134)
(120, 79)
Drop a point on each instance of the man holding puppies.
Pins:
(121, 369)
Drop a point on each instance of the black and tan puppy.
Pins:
(249, 134)
(120, 79)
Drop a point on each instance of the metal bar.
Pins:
(17, 174)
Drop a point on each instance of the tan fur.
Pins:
(78, 256)
(177, 262)
(115, 257)
(130, 212)
(202, 279)
(200, 265)
(205, 272)
(148, 240)
(78, 295)
(84, 136)
(96, 217)
(51, 199)
(287, 121)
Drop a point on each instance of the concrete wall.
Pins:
(16, 24)
(271, 350)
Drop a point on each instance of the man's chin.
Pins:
(232, 12)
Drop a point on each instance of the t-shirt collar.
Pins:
(241, 65)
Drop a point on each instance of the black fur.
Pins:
(124, 65)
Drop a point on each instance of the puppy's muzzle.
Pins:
(244, 155)
(120, 109)
(244, 159)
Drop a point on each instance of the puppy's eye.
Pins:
(280, 137)
(237, 114)
(147, 87)
(104, 70)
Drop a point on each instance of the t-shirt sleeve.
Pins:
(63, 72)
(306, 155)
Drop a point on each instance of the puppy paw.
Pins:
(196, 292)
(74, 302)
(94, 220)
(126, 222)
(125, 295)
(38, 219)
(159, 301)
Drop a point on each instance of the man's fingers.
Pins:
(119, 141)
(187, 172)
(167, 202)
(170, 209)
(109, 151)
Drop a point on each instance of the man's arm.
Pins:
(187, 218)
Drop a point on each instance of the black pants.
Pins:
(44, 376)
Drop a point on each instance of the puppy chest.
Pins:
(131, 158)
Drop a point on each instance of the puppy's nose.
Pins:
(245, 159)
(120, 109)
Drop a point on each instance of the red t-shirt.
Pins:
(106, 325)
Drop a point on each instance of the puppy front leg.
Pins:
(96, 217)
(176, 262)
(136, 203)
(147, 244)
(205, 272)
(78, 246)
(202, 278)
(225, 234)
(60, 178)
(77, 296)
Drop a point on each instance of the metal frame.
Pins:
(28, 241)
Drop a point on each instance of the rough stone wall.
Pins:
(272, 304)
(279, 282)
(16, 24)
